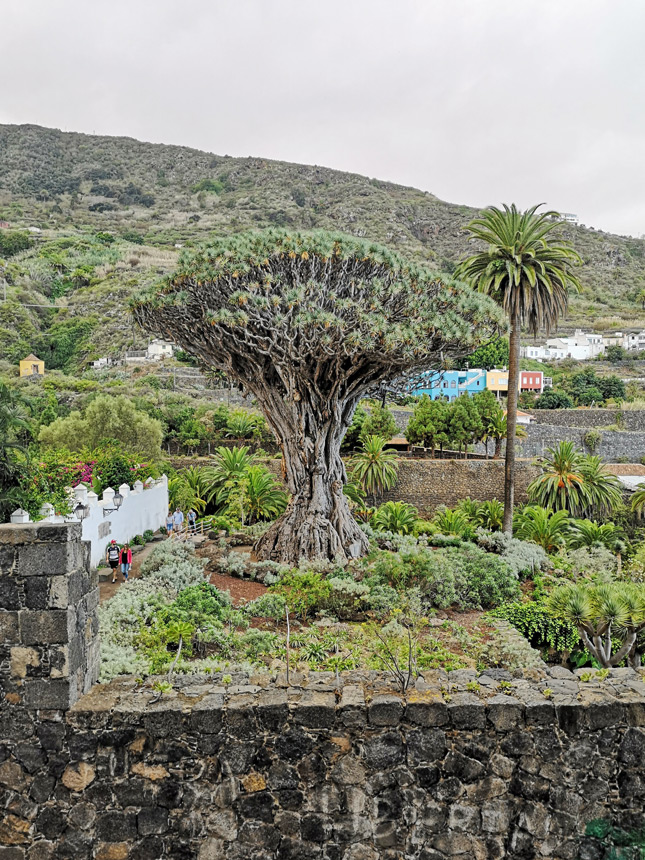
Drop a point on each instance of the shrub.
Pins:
(305, 591)
(173, 565)
(138, 540)
(466, 576)
(396, 517)
(269, 605)
(540, 626)
(148, 535)
(424, 527)
(522, 557)
(346, 597)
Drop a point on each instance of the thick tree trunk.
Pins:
(498, 449)
(511, 423)
(317, 522)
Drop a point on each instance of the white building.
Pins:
(579, 346)
(158, 349)
(542, 353)
(634, 341)
(143, 508)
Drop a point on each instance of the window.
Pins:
(453, 384)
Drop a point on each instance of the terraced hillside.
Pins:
(111, 212)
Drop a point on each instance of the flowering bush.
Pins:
(47, 477)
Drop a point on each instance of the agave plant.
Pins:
(542, 526)
(601, 612)
(396, 517)
(373, 467)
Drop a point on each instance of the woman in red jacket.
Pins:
(126, 561)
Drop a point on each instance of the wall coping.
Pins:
(321, 700)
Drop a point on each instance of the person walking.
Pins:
(112, 555)
(169, 523)
(192, 520)
(177, 520)
(126, 561)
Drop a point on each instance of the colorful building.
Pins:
(32, 366)
(532, 380)
(497, 382)
(450, 384)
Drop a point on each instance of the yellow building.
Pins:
(32, 366)
(497, 382)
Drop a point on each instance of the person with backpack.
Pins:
(112, 555)
(126, 561)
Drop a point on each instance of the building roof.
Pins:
(31, 357)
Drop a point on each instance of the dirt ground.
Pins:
(107, 589)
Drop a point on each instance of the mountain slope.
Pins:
(152, 197)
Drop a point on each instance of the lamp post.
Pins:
(117, 501)
(81, 511)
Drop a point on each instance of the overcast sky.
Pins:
(476, 101)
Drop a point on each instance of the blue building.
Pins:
(451, 383)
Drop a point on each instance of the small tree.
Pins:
(379, 422)
(601, 612)
(429, 423)
(309, 324)
(374, 468)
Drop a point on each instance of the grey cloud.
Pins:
(477, 102)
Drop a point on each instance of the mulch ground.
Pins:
(241, 590)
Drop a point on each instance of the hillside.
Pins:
(145, 199)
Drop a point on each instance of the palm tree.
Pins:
(265, 499)
(530, 278)
(574, 481)
(373, 467)
(641, 298)
(560, 486)
(588, 533)
(544, 527)
(227, 466)
(602, 489)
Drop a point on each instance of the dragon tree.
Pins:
(308, 324)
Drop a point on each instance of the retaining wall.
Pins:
(329, 768)
(429, 483)
(633, 420)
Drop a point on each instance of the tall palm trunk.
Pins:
(511, 422)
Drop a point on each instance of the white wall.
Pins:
(144, 507)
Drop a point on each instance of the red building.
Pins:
(532, 380)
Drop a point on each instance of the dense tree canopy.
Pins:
(309, 323)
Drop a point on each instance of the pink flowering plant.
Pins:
(48, 475)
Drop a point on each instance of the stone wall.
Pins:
(313, 767)
(614, 445)
(633, 420)
(49, 648)
(322, 770)
(429, 483)
(426, 484)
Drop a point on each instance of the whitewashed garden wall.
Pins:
(144, 507)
